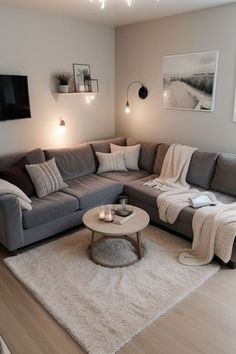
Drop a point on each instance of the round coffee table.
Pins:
(108, 230)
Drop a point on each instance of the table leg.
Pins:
(139, 245)
(92, 245)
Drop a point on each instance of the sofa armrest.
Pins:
(11, 229)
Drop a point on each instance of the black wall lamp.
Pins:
(143, 93)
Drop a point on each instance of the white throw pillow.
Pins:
(111, 162)
(131, 155)
(8, 188)
(46, 178)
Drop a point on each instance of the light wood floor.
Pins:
(203, 323)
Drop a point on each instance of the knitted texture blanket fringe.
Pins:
(214, 230)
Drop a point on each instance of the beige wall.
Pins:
(139, 52)
(37, 45)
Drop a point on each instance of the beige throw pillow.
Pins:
(111, 162)
(46, 178)
(131, 155)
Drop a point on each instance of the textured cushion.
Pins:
(34, 156)
(147, 154)
(46, 178)
(111, 162)
(161, 153)
(145, 194)
(17, 175)
(104, 146)
(94, 190)
(49, 208)
(125, 177)
(201, 168)
(224, 179)
(131, 155)
(73, 162)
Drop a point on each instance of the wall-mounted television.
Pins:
(14, 97)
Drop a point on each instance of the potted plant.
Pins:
(63, 79)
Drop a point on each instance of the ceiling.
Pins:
(116, 12)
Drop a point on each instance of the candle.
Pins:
(109, 216)
(101, 214)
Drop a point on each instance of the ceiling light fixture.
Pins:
(103, 3)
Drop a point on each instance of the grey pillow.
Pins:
(224, 179)
(112, 162)
(46, 178)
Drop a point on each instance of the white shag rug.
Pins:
(103, 308)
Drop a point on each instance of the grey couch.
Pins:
(78, 165)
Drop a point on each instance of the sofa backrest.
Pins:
(201, 167)
(34, 156)
(224, 179)
(148, 153)
(73, 162)
(160, 156)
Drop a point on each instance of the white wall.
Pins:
(38, 44)
(139, 52)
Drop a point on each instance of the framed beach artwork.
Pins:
(189, 81)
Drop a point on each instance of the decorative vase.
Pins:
(63, 88)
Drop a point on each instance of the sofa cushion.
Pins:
(46, 178)
(125, 177)
(104, 146)
(49, 208)
(17, 175)
(33, 156)
(147, 154)
(94, 190)
(201, 168)
(138, 191)
(131, 154)
(160, 156)
(73, 162)
(111, 162)
(224, 179)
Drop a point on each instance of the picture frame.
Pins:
(189, 81)
(82, 76)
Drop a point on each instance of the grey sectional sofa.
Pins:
(78, 165)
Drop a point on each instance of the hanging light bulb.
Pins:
(129, 2)
(127, 108)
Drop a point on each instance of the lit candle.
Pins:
(101, 214)
(108, 216)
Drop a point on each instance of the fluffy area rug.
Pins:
(103, 308)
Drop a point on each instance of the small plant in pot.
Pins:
(63, 79)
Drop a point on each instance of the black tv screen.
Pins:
(14, 97)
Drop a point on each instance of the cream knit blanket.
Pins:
(172, 202)
(214, 231)
(174, 169)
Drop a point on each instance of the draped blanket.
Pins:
(8, 188)
(214, 231)
(214, 227)
(174, 169)
(171, 203)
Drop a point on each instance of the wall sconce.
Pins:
(143, 93)
(62, 127)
